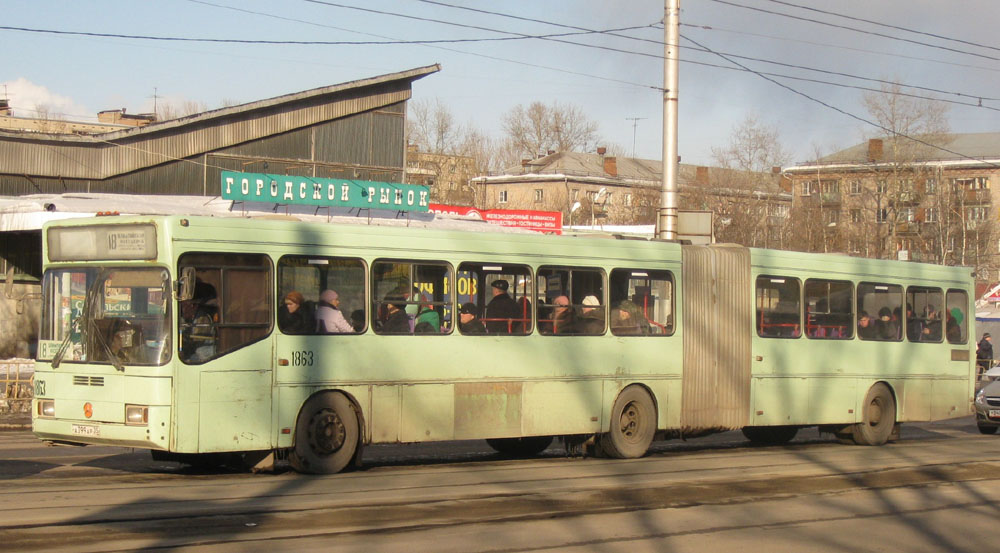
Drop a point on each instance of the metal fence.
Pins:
(16, 388)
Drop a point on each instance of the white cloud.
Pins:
(31, 100)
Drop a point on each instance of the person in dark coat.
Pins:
(468, 320)
(292, 317)
(500, 309)
(984, 354)
(591, 319)
(562, 319)
(397, 322)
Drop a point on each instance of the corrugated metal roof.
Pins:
(105, 155)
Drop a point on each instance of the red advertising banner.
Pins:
(549, 222)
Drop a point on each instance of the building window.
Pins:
(576, 194)
(831, 217)
(907, 215)
(807, 188)
(881, 187)
(930, 186)
(855, 187)
(931, 215)
(781, 210)
(539, 195)
(972, 183)
(628, 200)
(503, 196)
(977, 213)
(856, 216)
(881, 215)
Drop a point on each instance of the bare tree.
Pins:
(742, 193)
(537, 128)
(431, 126)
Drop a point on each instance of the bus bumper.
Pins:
(152, 435)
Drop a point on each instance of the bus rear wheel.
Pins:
(326, 434)
(770, 434)
(878, 417)
(633, 424)
(520, 447)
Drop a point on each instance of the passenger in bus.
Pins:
(198, 318)
(563, 319)
(501, 309)
(625, 319)
(932, 325)
(953, 328)
(426, 320)
(397, 321)
(885, 327)
(122, 341)
(913, 326)
(358, 320)
(329, 319)
(591, 316)
(468, 320)
(866, 329)
(292, 316)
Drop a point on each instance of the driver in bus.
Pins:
(198, 318)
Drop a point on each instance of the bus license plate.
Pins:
(86, 430)
(994, 413)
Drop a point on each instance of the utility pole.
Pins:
(666, 223)
(635, 123)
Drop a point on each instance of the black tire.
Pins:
(633, 424)
(770, 434)
(520, 447)
(878, 417)
(987, 429)
(326, 435)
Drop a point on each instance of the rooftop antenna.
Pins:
(154, 97)
(635, 123)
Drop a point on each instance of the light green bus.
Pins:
(199, 337)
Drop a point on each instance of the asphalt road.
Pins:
(936, 489)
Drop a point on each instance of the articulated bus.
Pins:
(201, 337)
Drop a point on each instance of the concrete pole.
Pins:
(667, 221)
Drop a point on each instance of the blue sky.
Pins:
(479, 81)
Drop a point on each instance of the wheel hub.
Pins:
(326, 432)
(630, 422)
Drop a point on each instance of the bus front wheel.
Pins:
(878, 417)
(326, 434)
(633, 424)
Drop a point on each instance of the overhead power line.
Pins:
(856, 30)
(889, 131)
(889, 25)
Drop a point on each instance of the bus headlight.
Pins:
(136, 414)
(46, 408)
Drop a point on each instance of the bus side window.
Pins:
(879, 312)
(412, 297)
(570, 301)
(233, 308)
(321, 295)
(920, 321)
(957, 322)
(642, 302)
(778, 307)
(500, 293)
(829, 309)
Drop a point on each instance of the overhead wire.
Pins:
(889, 25)
(890, 132)
(845, 27)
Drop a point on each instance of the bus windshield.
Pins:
(116, 316)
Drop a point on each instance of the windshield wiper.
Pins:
(85, 314)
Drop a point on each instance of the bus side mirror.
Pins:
(185, 284)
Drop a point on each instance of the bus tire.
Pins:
(326, 434)
(520, 447)
(633, 424)
(770, 434)
(878, 417)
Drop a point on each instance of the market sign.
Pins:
(287, 189)
(549, 222)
